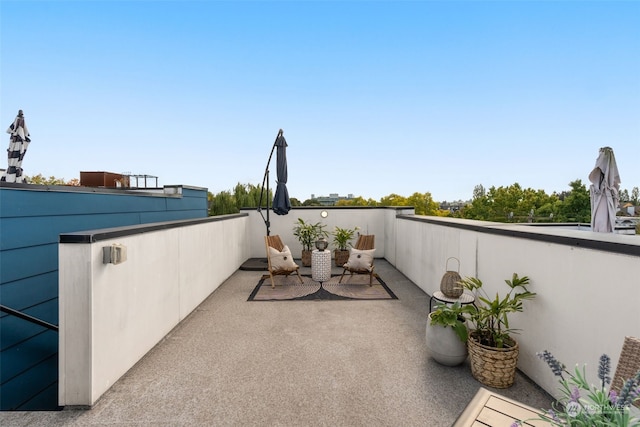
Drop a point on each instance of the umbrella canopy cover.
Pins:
(605, 184)
(18, 143)
(281, 202)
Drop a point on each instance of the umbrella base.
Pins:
(255, 264)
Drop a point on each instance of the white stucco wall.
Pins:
(587, 299)
(370, 221)
(112, 315)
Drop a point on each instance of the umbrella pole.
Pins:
(266, 179)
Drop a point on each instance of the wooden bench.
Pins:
(491, 409)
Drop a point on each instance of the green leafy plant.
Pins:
(342, 237)
(490, 317)
(308, 233)
(585, 404)
(453, 316)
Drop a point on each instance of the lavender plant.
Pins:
(584, 404)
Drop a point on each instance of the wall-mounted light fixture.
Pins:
(324, 214)
(114, 254)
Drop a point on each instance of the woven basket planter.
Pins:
(494, 367)
(341, 256)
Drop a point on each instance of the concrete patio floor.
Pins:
(290, 363)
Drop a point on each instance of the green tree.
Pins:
(480, 206)
(623, 195)
(509, 204)
(446, 212)
(540, 203)
(222, 203)
(243, 196)
(635, 196)
(52, 180)
(357, 201)
(423, 204)
(479, 191)
(497, 204)
(393, 200)
(548, 212)
(576, 206)
(248, 196)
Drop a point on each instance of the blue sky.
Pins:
(374, 97)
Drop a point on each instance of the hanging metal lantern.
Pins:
(449, 285)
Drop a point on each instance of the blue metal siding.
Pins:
(21, 263)
(31, 220)
(16, 331)
(27, 203)
(19, 293)
(42, 374)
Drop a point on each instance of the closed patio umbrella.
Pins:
(281, 202)
(605, 183)
(18, 143)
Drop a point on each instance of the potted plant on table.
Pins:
(447, 333)
(307, 235)
(341, 238)
(492, 350)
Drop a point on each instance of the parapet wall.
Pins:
(588, 283)
(111, 315)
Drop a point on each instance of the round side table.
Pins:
(463, 299)
(320, 265)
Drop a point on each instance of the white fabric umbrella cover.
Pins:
(605, 184)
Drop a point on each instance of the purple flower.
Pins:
(575, 395)
(613, 396)
(553, 415)
(604, 368)
(556, 367)
(628, 392)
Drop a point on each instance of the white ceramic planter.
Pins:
(444, 346)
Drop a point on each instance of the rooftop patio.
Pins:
(169, 332)
(239, 362)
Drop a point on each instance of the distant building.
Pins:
(631, 210)
(453, 206)
(331, 199)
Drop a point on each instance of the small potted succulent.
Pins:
(492, 350)
(307, 235)
(341, 238)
